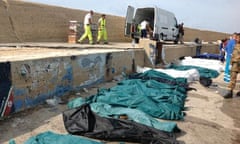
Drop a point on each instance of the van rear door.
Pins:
(156, 27)
(128, 20)
(174, 28)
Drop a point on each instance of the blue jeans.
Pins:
(143, 33)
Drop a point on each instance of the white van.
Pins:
(163, 23)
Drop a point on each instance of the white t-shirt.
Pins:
(86, 19)
(144, 24)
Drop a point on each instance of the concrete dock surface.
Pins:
(210, 119)
(28, 51)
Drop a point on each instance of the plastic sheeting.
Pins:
(141, 97)
(53, 138)
(204, 72)
(204, 63)
(210, 56)
(82, 121)
(154, 98)
(138, 116)
(158, 99)
(191, 74)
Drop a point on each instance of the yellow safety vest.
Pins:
(102, 23)
(138, 28)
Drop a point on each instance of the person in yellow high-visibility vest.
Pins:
(102, 31)
(87, 28)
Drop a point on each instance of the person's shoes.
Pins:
(105, 43)
(228, 94)
(238, 94)
(79, 41)
(98, 42)
(92, 43)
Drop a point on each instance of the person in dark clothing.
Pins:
(144, 25)
(135, 30)
(198, 43)
(181, 32)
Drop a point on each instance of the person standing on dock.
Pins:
(87, 28)
(181, 32)
(102, 31)
(198, 43)
(229, 49)
(235, 69)
(144, 27)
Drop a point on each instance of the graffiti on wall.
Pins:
(6, 93)
(65, 84)
(40, 80)
(93, 65)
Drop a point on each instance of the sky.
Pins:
(212, 15)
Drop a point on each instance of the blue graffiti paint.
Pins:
(18, 104)
(30, 102)
(68, 78)
(113, 70)
(60, 90)
(98, 59)
(69, 75)
(20, 92)
(86, 62)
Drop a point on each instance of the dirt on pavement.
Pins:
(209, 119)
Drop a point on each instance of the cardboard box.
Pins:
(72, 39)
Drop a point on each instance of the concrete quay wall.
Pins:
(168, 52)
(173, 52)
(27, 83)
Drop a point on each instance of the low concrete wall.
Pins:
(28, 83)
(171, 52)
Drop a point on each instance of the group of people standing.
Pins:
(143, 29)
(232, 65)
(102, 31)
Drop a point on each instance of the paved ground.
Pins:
(210, 119)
